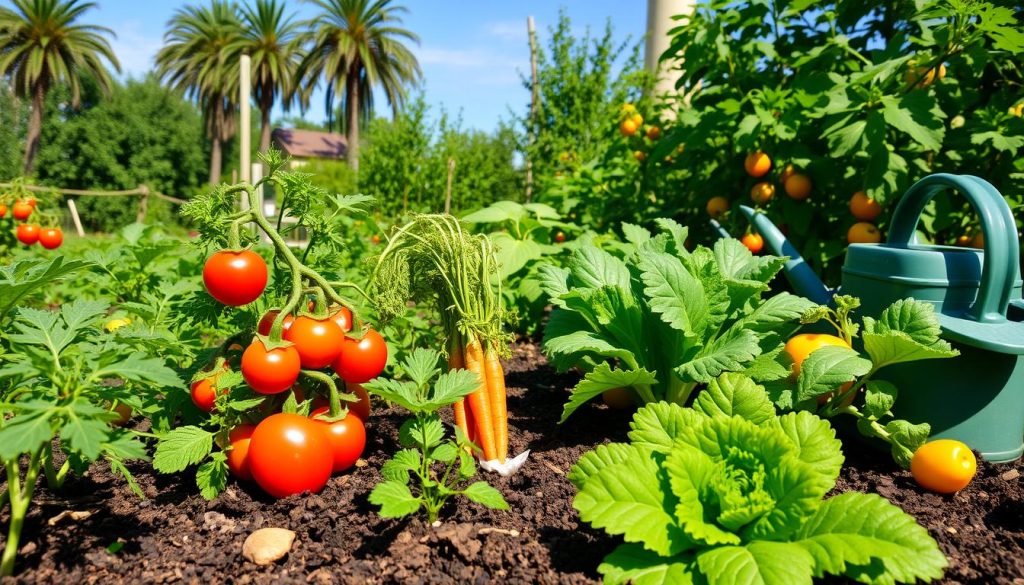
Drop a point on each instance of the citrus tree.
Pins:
(822, 113)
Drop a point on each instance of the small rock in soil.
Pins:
(267, 545)
(1010, 475)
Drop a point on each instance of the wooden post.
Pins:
(534, 104)
(660, 20)
(448, 192)
(140, 217)
(245, 90)
(75, 218)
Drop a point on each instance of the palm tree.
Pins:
(356, 45)
(40, 45)
(195, 58)
(273, 42)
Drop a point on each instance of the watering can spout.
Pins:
(805, 282)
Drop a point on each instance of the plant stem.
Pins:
(19, 507)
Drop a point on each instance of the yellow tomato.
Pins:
(115, 324)
(864, 208)
(628, 128)
(717, 205)
(638, 120)
(798, 186)
(762, 193)
(757, 164)
(944, 466)
(804, 344)
(863, 233)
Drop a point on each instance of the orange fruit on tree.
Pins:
(863, 232)
(944, 466)
(863, 207)
(627, 127)
(762, 192)
(963, 241)
(753, 242)
(639, 155)
(638, 120)
(628, 108)
(653, 133)
(717, 205)
(786, 173)
(757, 164)
(798, 186)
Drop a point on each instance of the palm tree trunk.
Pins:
(215, 161)
(266, 104)
(353, 119)
(35, 125)
(216, 130)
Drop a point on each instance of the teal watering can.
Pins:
(977, 397)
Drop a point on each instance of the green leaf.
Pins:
(498, 212)
(584, 342)
(827, 368)
(896, 347)
(513, 254)
(26, 276)
(602, 378)
(815, 441)
(631, 563)
(139, 367)
(757, 563)
(182, 447)
(675, 294)
(398, 467)
(421, 366)
(481, 493)
(400, 392)
(908, 330)
(852, 532)
(657, 425)
(731, 352)
(601, 457)
(916, 115)
(635, 234)
(593, 268)
(777, 310)
(691, 476)
(212, 476)
(633, 499)
(906, 438)
(879, 396)
(445, 452)
(395, 499)
(25, 433)
(85, 429)
(450, 387)
(425, 433)
(735, 395)
(678, 233)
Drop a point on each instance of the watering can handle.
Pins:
(1002, 250)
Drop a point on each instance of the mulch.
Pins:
(174, 536)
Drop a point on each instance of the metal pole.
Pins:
(245, 90)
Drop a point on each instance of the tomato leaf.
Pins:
(486, 495)
(212, 476)
(395, 499)
(181, 448)
(398, 467)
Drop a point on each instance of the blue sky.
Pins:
(471, 52)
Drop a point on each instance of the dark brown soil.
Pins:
(176, 536)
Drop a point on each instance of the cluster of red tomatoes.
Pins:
(30, 233)
(288, 453)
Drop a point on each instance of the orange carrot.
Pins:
(499, 410)
(479, 401)
(455, 362)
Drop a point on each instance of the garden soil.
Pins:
(99, 532)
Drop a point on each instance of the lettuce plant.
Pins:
(726, 492)
(668, 319)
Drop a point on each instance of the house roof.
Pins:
(310, 143)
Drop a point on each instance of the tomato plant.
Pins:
(270, 370)
(235, 278)
(28, 233)
(238, 454)
(318, 341)
(289, 454)
(51, 238)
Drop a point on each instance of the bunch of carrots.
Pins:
(434, 258)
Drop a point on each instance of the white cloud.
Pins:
(134, 49)
(507, 30)
(461, 58)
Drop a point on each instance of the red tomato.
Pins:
(318, 342)
(235, 278)
(203, 394)
(21, 210)
(51, 238)
(361, 360)
(268, 321)
(238, 455)
(3, 209)
(560, 237)
(31, 201)
(753, 242)
(270, 372)
(290, 454)
(346, 436)
(28, 233)
(343, 317)
(360, 408)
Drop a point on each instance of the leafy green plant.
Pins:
(726, 492)
(906, 331)
(429, 469)
(61, 379)
(664, 320)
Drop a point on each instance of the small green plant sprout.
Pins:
(906, 331)
(429, 469)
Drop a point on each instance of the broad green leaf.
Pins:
(402, 393)
(585, 342)
(593, 268)
(564, 322)
(421, 366)
(675, 294)
(852, 532)
(486, 495)
(915, 318)
(85, 429)
(895, 347)
(733, 351)
(602, 378)
(815, 441)
(633, 499)
(735, 395)
(450, 387)
(182, 447)
(395, 499)
(24, 433)
(678, 233)
(398, 467)
(513, 254)
(445, 452)
(499, 211)
(635, 234)
(632, 563)
(554, 281)
(775, 311)
(599, 458)
(828, 368)
(212, 476)
(426, 432)
(657, 425)
(691, 474)
(879, 396)
(757, 563)
(916, 115)
(139, 367)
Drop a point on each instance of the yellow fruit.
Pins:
(628, 128)
(863, 233)
(762, 193)
(639, 155)
(786, 174)
(638, 120)
(757, 164)
(864, 208)
(628, 108)
(803, 345)
(963, 241)
(944, 466)
(653, 133)
(716, 206)
(978, 241)
(798, 186)
(115, 324)
(1017, 110)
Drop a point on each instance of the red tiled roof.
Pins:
(310, 143)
